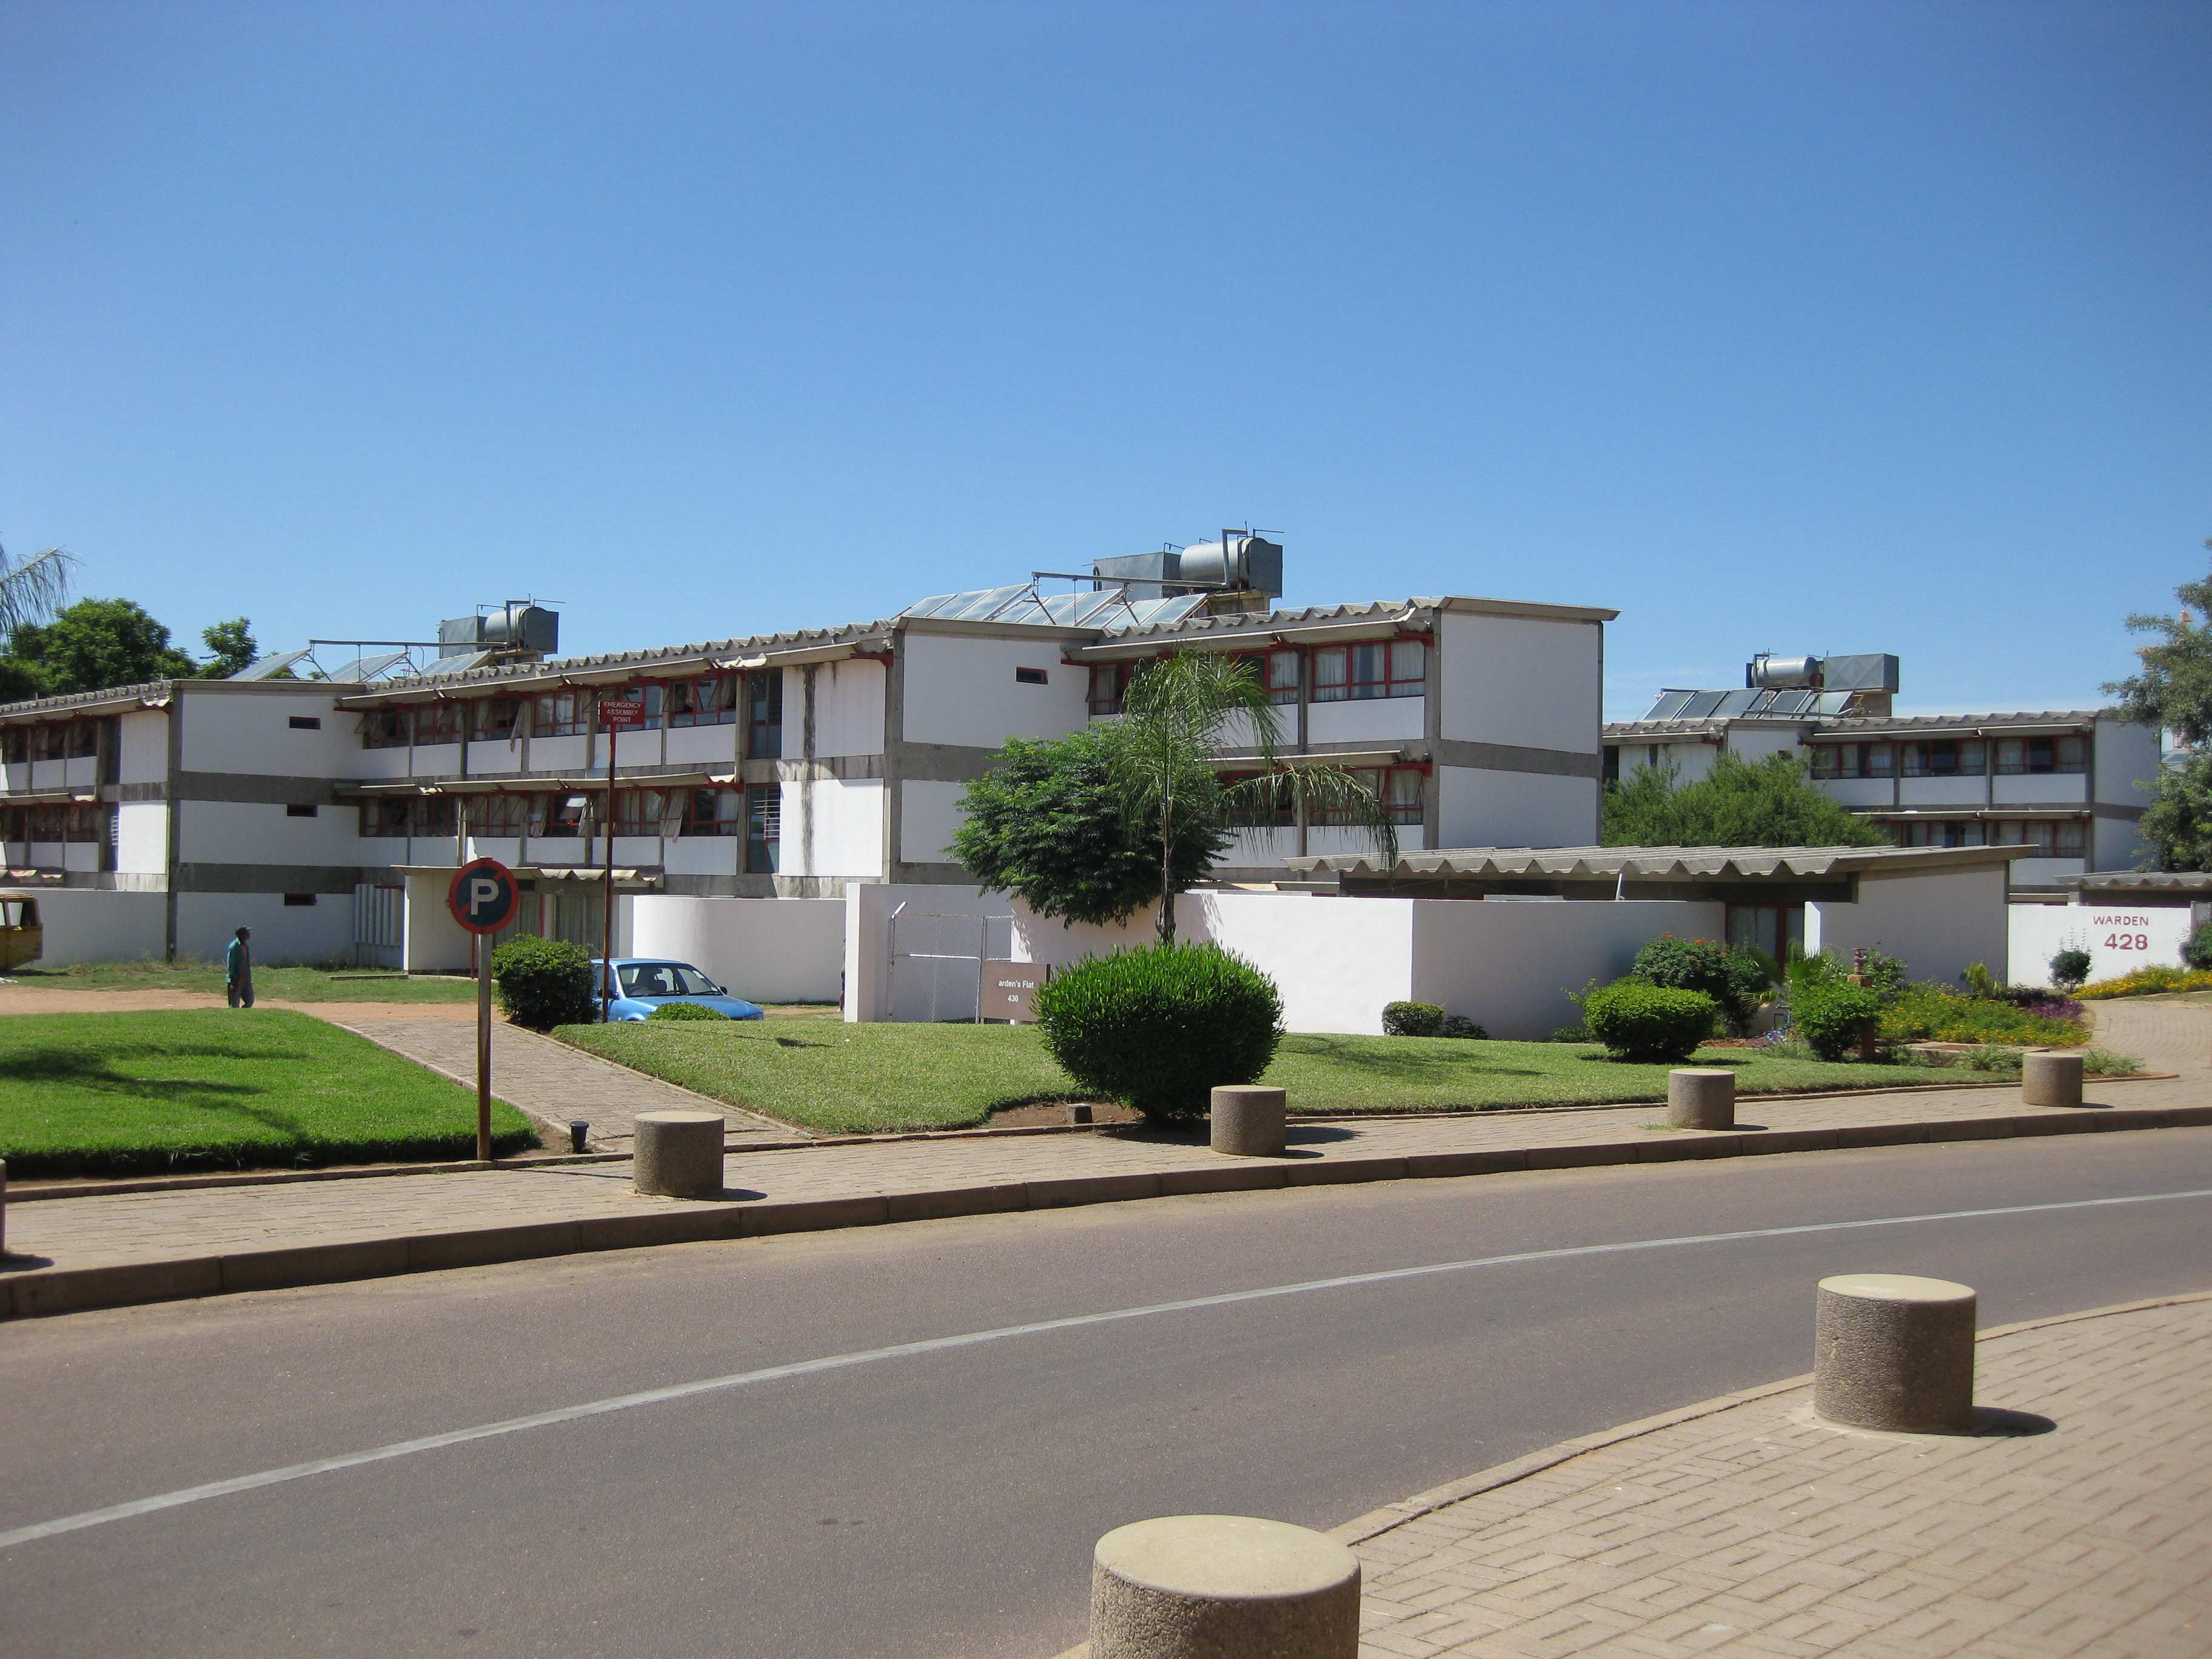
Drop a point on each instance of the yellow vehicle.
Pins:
(21, 939)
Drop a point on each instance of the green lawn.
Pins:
(844, 1079)
(147, 1093)
(274, 984)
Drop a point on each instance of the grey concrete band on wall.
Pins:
(1222, 1587)
(679, 1154)
(2051, 1079)
(1895, 1351)
(1701, 1097)
(1249, 1121)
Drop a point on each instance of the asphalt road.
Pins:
(944, 1502)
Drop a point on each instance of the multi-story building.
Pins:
(2071, 785)
(328, 815)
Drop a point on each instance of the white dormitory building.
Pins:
(788, 770)
(2068, 787)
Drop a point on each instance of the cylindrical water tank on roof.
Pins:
(1783, 673)
(518, 626)
(1240, 561)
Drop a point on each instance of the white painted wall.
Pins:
(1692, 760)
(1509, 964)
(1519, 680)
(434, 942)
(1480, 808)
(847, 834)
(2118, 937)
(142, 837)
(848, 709)
(960, 688)
(929, 813)
(284, 935)
(1756, 742)
(143, 753)
(85, 926)
(2126, 758)
(1943, 792)
(687, 745)
(1860, 792)
(251, 732)
(934, 918)
(1375, 721)
(262, 832)
(784, 950)
(1938, 921)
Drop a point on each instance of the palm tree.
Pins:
(1182, 711)
(30, 593)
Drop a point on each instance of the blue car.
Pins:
(644, 983)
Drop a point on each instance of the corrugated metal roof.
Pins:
(1653, 863)
(2143, 881)
(1868, 724)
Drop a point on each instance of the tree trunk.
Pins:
(1167, 881)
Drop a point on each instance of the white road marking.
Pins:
(623, 1403)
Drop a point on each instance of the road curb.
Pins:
(66, 1290)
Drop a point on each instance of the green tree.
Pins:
(1068, 828)
(232, 644)
(95, 644)
(1046, 825)
(30, 592)
(2174, 691)
(1740, 803)
(1186, 708)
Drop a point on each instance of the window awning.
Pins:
(1353, 758)
(78, 797)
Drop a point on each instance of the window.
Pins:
(14, 744)
(499, 814)
(1400, 788)
(656, 698)
(1278, 672)
(666, 979)
(1949, 832)
(83, 740)
(296, 810)
(434, 815)
(306, 722)
(496, 718)
(637, 811)
(1109, 683)
(713, 812)
(299, 898)
(1942, 757)
(1259, 812)
(12, 824)
(2050, 838)
(763, 828)
(560, 816)
(557, 714)
(2073, 840)
(1772, 928)
(764, 714)
(1613, 763)
(46, 743)
(84, 824)
(1881, 760)
(1384, 668)
(712, 700)
(437, 722)
(385, 815)
(384, 728)
(1031, 677)
(49, 822)
(2037, 755)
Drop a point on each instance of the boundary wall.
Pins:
(765, 950)
(2118, 937)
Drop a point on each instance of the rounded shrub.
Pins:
(2195, 951)
(1160, 1028)
(544, 982)
(684, 1011)
(1834, 1018)
(1412, 1020)
(1459, 1025)
(1639, 1021)
(2071, 966)
(1733, 977)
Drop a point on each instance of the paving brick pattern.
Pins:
(1755, 1530)
(551, 1081)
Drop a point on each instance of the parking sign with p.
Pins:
(483, 897)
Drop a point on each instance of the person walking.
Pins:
(238, 970)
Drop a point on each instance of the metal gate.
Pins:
(936, 960)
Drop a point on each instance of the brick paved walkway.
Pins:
(551, 1081)
(1746, 1527)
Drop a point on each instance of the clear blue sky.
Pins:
(1856, 327)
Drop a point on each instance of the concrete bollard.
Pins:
(1222, 1587)
(679, 1154)
(1248, 1120)
(1701, 1097)
(2051, 1079)
(1891, 1351)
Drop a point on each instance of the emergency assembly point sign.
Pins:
(484, 897)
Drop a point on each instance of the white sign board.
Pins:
(2118, 939)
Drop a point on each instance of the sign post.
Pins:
(617, 710)
(483, 899)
